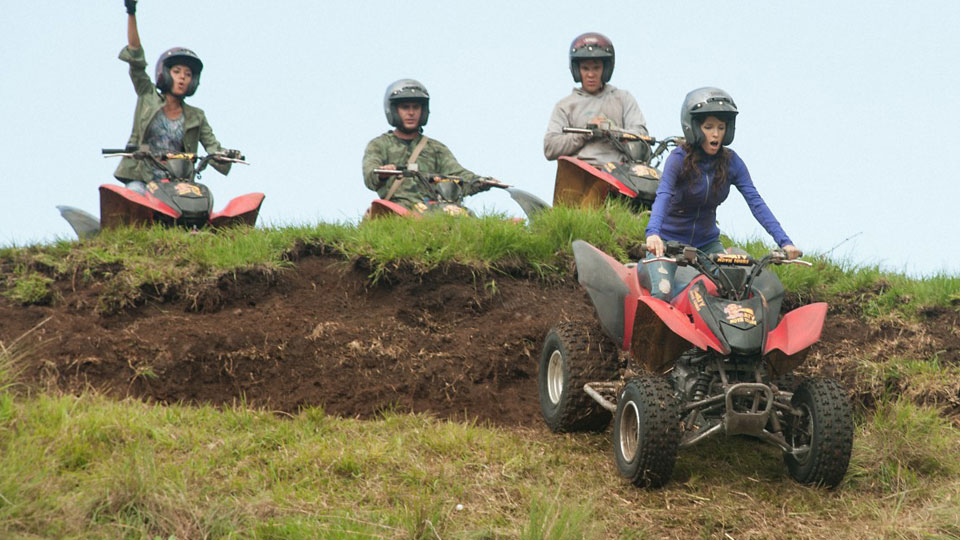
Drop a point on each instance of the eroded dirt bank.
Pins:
(450, 342)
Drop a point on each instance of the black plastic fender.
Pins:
(614, 290)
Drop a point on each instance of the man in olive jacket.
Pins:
(164, 97)
(407, 107)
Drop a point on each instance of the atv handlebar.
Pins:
(435, 178)
(709, 265)
(231, 156)
(597, 131)
(167, 162)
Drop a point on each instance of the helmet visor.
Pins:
(714, 105)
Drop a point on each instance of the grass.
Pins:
(81, 467)
(134, 265)
(27, 287)
(88, 467)
(925, 380)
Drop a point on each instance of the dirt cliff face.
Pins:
(450, 342)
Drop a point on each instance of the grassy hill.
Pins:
(80, 460)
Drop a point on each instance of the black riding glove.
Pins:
(131, 6)
(233, 154)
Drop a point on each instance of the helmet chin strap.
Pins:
(418, 129)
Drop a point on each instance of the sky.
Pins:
(842, 104)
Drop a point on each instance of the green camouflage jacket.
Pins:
(435, 158)
(149, 103)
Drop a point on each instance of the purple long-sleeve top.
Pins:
(689, 214)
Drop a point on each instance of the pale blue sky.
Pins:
(846, 108)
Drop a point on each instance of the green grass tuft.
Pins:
(902, 446)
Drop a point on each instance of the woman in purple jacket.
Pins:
(696, 179)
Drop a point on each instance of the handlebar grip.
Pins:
(114, 151)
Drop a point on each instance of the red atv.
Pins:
(580, 184)
(446, 195)
(175, 200)
(717, 359)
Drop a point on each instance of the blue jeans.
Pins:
(663, 276)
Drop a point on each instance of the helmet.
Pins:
(178, 56)
(405, 90)
(703, 102)
(592, 45)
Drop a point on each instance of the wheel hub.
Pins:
(555, 377)
(629, 433)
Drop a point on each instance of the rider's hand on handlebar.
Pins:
(488, 182)
(792, 251)
(131, 6)
(388, 167)
(655, 245)
(227, 155)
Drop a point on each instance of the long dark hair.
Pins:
(690, 169)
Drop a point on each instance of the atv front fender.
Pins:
(241, 210)
(122, 206)
(787, 345)
(383, 207)
(661, 332)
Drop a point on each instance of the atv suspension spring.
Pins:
(701, 386)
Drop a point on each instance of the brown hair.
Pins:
(690, 169)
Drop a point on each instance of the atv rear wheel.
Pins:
(646, 432)
(573, 356)
(825, 426)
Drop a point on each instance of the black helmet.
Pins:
(178, 56)
(592, 45)
(703, 102)
(405, 90)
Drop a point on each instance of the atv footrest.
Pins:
(604, 393)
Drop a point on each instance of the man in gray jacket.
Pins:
(596, 103)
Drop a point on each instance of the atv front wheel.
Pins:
(824, 432)
(646, 432)
(573, 356)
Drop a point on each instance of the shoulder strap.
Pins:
(412, 162)
(394, 187)
(411, 165)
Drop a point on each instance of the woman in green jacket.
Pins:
(162, 120)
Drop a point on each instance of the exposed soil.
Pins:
(451, 342)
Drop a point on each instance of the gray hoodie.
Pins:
(611, 105)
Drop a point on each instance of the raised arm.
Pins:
(133, 36)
